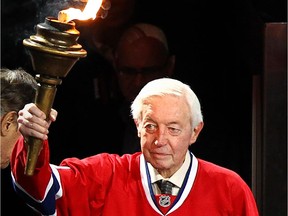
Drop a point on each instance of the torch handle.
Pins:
(44, 100)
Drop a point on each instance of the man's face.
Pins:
(165, 132)
(138, 63)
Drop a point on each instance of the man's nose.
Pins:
(162, 136)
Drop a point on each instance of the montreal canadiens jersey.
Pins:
(109, 184)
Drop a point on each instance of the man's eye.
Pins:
(150, 128)
(174, 131)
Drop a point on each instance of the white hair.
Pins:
(168, 86)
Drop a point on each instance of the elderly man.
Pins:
(164, 178)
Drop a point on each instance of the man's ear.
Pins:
(196, 132)
(7, 122)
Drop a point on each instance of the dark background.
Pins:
(218, 47)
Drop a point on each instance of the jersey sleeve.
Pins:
(68, 189)
(40, 189)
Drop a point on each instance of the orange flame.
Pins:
(89, 12)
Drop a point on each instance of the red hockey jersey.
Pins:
(108, 184)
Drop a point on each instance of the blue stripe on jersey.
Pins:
(45, 207)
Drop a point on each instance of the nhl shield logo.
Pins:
(164, 200)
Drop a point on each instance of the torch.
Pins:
(53, 51)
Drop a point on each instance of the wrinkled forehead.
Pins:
(166, 108)
(166, 101)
